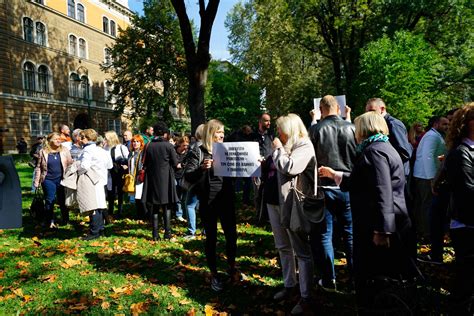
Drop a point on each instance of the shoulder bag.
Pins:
(307, 208)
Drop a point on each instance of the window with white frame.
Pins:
(28, 30)
(105, 25)
(29, 76)
(72, 45)
(40, 34)
(84, 88)
(34, 32)
(107, 56)
(80, 13)
(113, 28)
(114, 125)
(43, 79)
(74, 82)
(71, 8)
(82, 48)
(40, 123)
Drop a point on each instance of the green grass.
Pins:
(44, 272)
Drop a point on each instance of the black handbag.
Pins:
(307, 207)
(37, 205)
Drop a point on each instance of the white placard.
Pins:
(317, 110)
(236, 159)
(341, 100)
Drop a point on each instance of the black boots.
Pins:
(154, 221)
(166, 224)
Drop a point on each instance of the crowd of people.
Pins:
(385, 189)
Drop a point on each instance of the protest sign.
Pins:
(317, 110)
(236, 159)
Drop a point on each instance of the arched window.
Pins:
(29, 76)
(40, 34)
(105, 25)
(43, 79)
(28, 29)
(113, 30)
(82, 48)
(71, 8)
(74, 82)
(84, 88)
(72, 45)
(107, 56)
(80, 13)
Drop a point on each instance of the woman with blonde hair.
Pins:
(119, 154)
(382, 228)
(53, 160)
(216, 201)
(293, 156)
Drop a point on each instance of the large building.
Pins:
(51, 52)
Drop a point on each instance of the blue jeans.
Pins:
(191, 202)
(53, 192)
(337, 207)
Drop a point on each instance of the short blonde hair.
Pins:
(209, 130)
(329, 102)
(368, 124)
(112, 139)
(293, 127)
(90, 134)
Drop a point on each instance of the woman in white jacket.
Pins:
(95, 160)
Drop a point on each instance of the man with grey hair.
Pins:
(76, 148)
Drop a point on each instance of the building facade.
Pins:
(51, 52)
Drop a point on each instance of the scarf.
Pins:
(372, 139)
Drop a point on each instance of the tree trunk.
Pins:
(197, 83)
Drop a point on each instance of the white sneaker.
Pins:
(181, 219)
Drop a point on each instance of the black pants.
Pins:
(462, 239)
(117, 191)
(96, 222)
(223, 210)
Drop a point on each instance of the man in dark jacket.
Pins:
(335, 146)
(398, 136)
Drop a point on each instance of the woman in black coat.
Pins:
(382, 227)
(159, 188)
(216, 201)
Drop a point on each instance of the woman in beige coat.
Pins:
(53, 161)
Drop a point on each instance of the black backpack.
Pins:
(117, 168)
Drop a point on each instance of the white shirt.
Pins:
(427, 163)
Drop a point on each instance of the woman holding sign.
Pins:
(293, 155)
(216, 201)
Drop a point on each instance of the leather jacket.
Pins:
(460, 175)
(335, 145)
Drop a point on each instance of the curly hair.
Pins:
(458, 128)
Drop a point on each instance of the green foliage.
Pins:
(262, 43)
(148, 68)
(403, 72)
(232, 96)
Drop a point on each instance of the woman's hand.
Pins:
(276, 143)
(381, 239)
(326, 172)
(206, 164)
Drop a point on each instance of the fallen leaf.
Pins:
(138, 308)
(69, 262)
(94, 292)
(105, 305)
(49, 254)
(170, 308)
(18, 292)
(184, 302)
(191, 312)
(209, 310)
(174, 291)
(22, 264)
(2, 274)
(48, 278)
(78, 307)
(36, 241)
